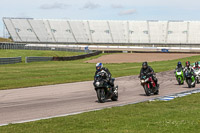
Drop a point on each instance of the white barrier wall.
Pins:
(103, 31)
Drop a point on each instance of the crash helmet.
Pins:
(144, 65)
(99, 66)
(179, 64)
(196, 64)
(187, 63)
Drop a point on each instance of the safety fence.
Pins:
(37, 59)
(76, 57)
(11, 60)
(42, 47)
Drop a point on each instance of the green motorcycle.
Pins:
(180, 76)
(190, 79)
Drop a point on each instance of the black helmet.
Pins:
(187, 63)
(196, 64)
(179, 64)
(144, 65)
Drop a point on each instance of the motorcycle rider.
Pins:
(179, 66)
(196, 67)
(188, 67)
(147, 70)
(108, 79)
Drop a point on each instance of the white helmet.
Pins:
(99, 66)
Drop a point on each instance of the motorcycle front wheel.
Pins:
(101, 95)
(179, 81)
(147, 90)
(189, 82)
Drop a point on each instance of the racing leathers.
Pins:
(179, 68)
(107, 76)
(196, 67)
(190, 69)
(149, 71)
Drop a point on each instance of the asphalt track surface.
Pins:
(31, 103)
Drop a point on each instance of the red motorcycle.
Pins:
(149, 85)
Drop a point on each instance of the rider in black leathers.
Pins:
(108, 78)
(147, 70)
(188, 67)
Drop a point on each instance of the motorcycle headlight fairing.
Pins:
(97, 83)
(179, 73)
(142, 81)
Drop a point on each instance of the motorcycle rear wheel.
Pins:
(156, 93)
(194, 85)
(115, 95)
(197, 80)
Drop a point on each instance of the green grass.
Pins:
(43, 53)
(55, 72)
(181, 115)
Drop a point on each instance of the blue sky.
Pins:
(101, 9)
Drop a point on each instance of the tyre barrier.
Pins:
(76, 57)
(37, 59)
(11, 60)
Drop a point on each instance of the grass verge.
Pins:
(43, 53)
(55, 72)
(181, 115)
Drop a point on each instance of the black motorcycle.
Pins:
(103, 89)
(190, 79)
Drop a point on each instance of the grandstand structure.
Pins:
(29, 30)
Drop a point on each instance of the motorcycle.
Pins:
(197, 73)
(149, 85)
(103, 89)
(190, 79)
(180, 76)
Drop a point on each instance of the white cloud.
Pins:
(90, 5)
(127, 12)
(56, 5)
